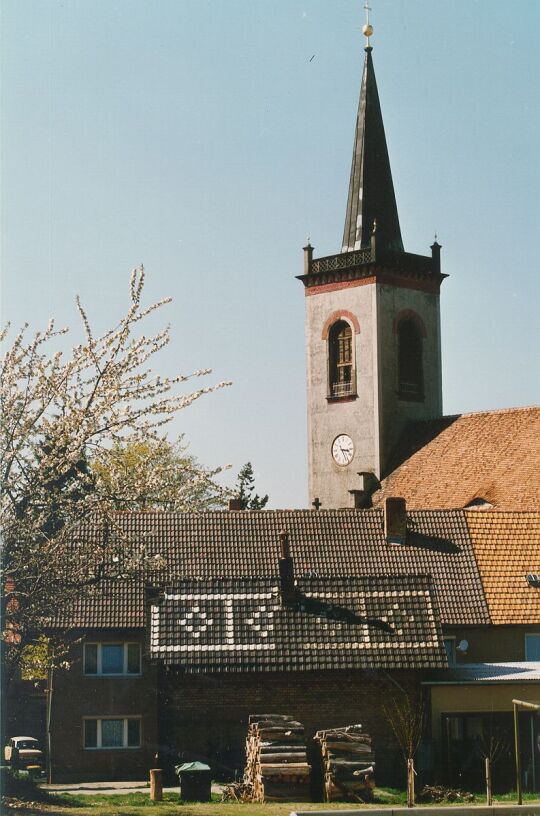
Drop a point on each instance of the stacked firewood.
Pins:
(237, 792)
(276, 762)
(348, 763)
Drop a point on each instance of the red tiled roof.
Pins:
(492, 456)
(507, 548)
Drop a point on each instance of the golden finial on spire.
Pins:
(367, 30)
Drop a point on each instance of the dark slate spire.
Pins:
(371, 190)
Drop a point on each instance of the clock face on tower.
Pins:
(342, 450)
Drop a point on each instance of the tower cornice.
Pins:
(403, 269)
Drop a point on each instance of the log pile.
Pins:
(348, 764)
(276, 762)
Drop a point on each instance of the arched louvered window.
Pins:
(342, 380)
(410, 363)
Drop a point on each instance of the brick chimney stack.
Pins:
(286, 570)
(235, 504)
(395, 520)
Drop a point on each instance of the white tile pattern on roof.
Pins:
(375, 622)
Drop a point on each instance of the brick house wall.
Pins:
(76, 696)
(24, 711)
(205, 716)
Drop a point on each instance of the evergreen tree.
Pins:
(245, 490)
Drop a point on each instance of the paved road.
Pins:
(91, 788)
(448, 810)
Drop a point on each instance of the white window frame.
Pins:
(527, 636)
(124, 672)
(124, 746)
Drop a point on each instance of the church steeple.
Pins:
(373, 332)
(371, 202)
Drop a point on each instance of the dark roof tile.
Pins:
(239, 624)
(326, 543)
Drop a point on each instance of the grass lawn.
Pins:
(131, 804)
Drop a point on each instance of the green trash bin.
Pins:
(195, 782)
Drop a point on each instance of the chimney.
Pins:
(362, 494)
(235, 504)
(286, 570)
(395, 520)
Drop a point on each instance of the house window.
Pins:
(532, 647)
(112, 732)
(450, 646)
(112, 659)
(410, 364)
(340, 360)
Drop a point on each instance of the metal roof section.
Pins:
(487, 673)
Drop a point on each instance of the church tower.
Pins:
(372, 327)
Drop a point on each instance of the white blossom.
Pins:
(60, 413)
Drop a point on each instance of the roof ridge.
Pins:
(513, 410)
(500, 511)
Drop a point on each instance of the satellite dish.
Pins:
(462, 646)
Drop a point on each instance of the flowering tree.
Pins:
(155, 475)
(60, 413)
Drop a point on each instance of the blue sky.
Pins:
(207, 139)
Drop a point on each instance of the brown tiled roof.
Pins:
(325, 543)
(110, 605)
(453, 461)
(507, 547)
(231, 625)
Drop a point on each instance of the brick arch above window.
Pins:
(409, 314)
(341, 314)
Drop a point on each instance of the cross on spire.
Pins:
(368, 28)
(368, 9)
